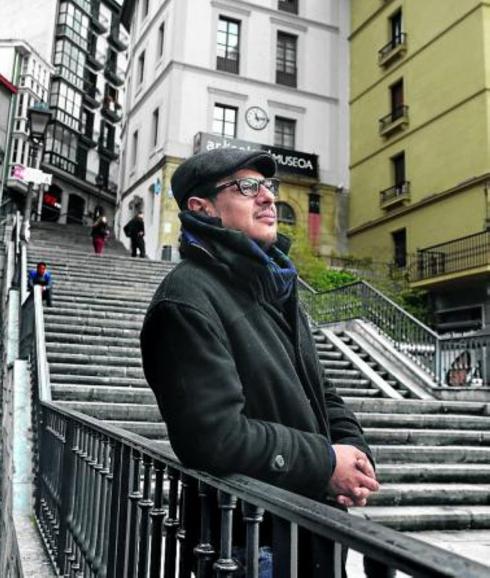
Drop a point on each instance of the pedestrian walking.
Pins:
(100, 234)
(228, 351)
(135, 230)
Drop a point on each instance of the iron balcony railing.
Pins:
(396, 192)
(398, 40)
(397, 113)
(471, 252)
(288, 6)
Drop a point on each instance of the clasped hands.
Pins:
(353, 478)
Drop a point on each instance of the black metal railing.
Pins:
(464, 360)
(399, 39)
(362, 301)
(399, 191)
(110, 503)
(462, 254)
(396, 114)
(228, 64)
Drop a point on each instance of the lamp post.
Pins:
(38, 117)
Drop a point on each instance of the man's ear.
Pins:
(200, 205)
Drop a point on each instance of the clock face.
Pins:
(256, 118)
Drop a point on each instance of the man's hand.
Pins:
(353, 478)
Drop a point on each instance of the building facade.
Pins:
(24, 67)
(7, 94)
(271, 75)
(85, 44)
(420, 162)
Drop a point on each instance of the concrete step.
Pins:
(54, 338)
(86, 329)
(152, 430)
(431, 494)
(424, 421)
(57, 359)
(59, 312)
(399, 454)
(106, 394)
(97, 305)
(115, 411)
(430, 472)
(347, 391)
(420, 406)
(416, 518)
(114, 297)
(58, 351)
(338, 382)
(96, 380)
(90, 369)
(336, 364)
(433, 437)
(335, 373)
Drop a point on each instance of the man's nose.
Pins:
(265, 195)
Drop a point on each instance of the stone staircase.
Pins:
(433, 456)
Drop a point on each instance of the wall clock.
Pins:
(256, 118)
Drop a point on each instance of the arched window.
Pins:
(285, 213)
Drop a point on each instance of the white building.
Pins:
(83, 42)
(25, 68)
(262, 74)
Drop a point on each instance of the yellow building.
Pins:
(420, 158)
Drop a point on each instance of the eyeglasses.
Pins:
(250, 187)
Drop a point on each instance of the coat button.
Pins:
(279, 461)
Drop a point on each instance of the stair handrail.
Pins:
(361, 300)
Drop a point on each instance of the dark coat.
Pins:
(134, 228)
(237, 376)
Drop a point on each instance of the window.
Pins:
(314, 204)
(396, 97)
(67, 102)
(400, 247)
(396, 28)
(107, 136)
(61, 147)
(155, 123)
(398, 167)
(70, 62)
(228, 43)
(225, 120)
(134, 151)
(141, 67)
(286, 59)
(284, 132)
(104, 168)
(285, 213)
(73, 23)
(20, 105)
(288, 6)
(161, 39)
(145, 7)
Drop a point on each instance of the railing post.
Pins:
(252, 516)
(171, 524)
(226, 566)
(157, 515)
(204, 550)
(66, 497)
(144, 505)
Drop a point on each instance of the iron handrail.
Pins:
(390, 547)
(362, 300)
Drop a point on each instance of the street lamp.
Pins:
(38, 117)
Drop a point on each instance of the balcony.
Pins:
(108, 149)
(395, 49)
(393, 122)
(458, 258)
(111, 110)
(92, 96)
(114, 74)
(228, 64)
(119, 39)
(286, 78)
(99, 23)
(395, 195)
(96, 60)
(89, 138)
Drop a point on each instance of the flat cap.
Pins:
(197, 174)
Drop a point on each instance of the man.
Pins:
(135, 230)
(41, 276)
(229, 353)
